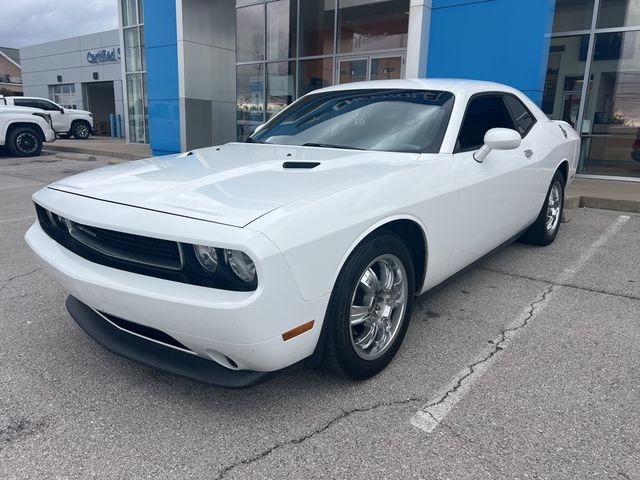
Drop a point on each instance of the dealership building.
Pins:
(82, 72)
(201, 72)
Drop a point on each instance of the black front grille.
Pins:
(149, 256)
(126, 246)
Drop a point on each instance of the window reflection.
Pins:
(280, 86)
(372, 25)
(573, 15)
(249, 98)
(314, 74)
(618, 13)
(611, 126)
(250, 33)
(281, 29)
(316, 27)
(565, 77)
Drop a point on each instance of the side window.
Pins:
(483, 113)
(523, 118)
(20, 102)
(44, 105)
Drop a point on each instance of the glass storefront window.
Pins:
(281, 29)
(573, 15)
(372, 25)
(250, 33)
(129, 13)
(133, 56)
(316, 27)
(314, 74)
(386, 68)
(353, 70)
(281, 81)
(565, 78)
(249, 98)
(619, 13)
(611, 124)
(136, 103)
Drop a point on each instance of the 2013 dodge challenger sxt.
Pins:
(310, 239)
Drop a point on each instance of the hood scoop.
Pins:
(300, 165)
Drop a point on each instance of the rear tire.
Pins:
(81, 130)
(368, 315)
(545, 229)
(24, 142)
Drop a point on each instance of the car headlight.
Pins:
(241, 265)
(207, 257)
(226, 265)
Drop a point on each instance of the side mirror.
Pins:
(61, 110)
(498, 139)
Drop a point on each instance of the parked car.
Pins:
(22, 130)
(66, 121)
(228, 263)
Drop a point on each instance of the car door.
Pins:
(57, 117)
(496, 195)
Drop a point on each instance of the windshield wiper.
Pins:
(251, 140)
(328, 145)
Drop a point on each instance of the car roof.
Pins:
(454, 85)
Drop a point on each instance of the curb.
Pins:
(585, 201)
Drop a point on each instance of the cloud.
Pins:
(29, 22)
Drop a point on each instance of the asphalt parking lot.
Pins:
(526, 366)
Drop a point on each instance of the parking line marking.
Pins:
(435, 411)
(16, 220)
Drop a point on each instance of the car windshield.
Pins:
(384, 120)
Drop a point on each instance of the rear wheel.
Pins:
(81, 130)
(24, 142)
(545, 229)
(370, 307)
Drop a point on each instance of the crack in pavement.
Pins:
(20, 275)
(448, 398)
(304, 438)
(559, 284)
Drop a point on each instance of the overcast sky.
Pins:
(28, 22)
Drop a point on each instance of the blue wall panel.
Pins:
(499, 40)
(162, 76)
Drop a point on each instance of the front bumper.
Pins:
(159, 356)
(245, 327)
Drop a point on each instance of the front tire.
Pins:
(370, 307)
(545, 229)
(24, 142)
(81, 130)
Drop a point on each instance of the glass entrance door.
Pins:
(370, 68)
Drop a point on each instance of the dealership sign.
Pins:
(103, 55)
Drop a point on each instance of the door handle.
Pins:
(528, 153)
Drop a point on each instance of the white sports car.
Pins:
(311, 239)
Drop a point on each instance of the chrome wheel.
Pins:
(27, 143)
(378, 306)
(554, 205)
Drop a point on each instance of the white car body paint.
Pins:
(62, 122)
(18, 115)
(298, 225)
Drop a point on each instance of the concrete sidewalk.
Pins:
(605, 194)
(104, 146)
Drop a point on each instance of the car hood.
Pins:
(235, 183)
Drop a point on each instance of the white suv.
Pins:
(66, 121)
(23, 130)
